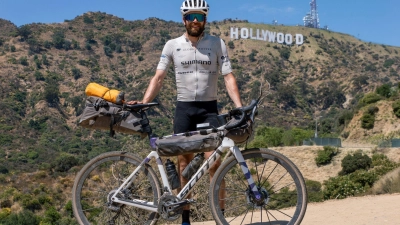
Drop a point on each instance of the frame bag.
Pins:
(100, 114)
(181, 145)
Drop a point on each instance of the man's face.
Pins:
(194, 28)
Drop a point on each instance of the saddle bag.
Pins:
(100, 114)
(181, 145)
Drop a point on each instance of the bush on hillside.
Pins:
(354, 162)
(396, 108)
(384, 90)
(314, 191)
(341, 187)
(367, 121)
(369, 99)
(325, 156)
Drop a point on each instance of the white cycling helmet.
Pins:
(194, 6)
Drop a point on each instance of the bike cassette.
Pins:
(166, 207)
(113, 206)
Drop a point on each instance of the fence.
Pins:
(395, 143)
(337, 142)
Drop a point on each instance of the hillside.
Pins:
(44, 69)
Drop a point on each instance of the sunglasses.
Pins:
(198, 16)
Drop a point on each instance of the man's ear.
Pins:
(183, 20)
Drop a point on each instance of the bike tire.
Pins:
(101, 176)
(278, 180)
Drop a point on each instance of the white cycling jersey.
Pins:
(196, 69)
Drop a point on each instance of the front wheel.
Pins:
(100, 178)
(278, 180)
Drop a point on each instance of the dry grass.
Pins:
(388, 184)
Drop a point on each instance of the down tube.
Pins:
(200, 173)
(239, 157)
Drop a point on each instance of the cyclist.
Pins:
(198, 60)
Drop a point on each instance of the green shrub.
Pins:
(370, 98)
(267, 136)
(341, 187)
(325, 156)
(384, 90)
(25, 217)
(65, 162)
(354, 162)
(363, 177)
(382, 164)
(367, 121)
(314, 191)
(3, 169)
(396, 108)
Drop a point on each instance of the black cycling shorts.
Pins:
(189, 114)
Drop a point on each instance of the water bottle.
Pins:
(173, 177)
(193, 166)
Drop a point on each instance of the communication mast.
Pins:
(311, 19)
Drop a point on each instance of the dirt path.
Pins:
(368, 210)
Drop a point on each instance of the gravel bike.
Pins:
(261, 186)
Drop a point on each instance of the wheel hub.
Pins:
(262, 201)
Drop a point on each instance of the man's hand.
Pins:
(133, 102)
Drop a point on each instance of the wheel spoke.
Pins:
(280, 185)
(98, 181)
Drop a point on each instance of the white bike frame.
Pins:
(227, 143)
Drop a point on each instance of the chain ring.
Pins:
(164, 211)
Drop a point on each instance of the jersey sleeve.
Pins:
(166, 56)
(223, 59)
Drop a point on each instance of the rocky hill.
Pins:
(44, 69)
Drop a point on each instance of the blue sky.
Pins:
(374, 21)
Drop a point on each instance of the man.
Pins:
(198, 59)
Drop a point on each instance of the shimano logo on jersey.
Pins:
(163, 56)
(201, 62)
(185, 72)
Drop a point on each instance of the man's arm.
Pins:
(232, 88)
(155, 86)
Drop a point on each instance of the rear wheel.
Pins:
(100, 178)
(278, 180)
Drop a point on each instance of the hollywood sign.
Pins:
(265, 35)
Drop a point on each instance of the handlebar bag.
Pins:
(100, 114)
(181, 145)
(241, 133)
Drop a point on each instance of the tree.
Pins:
(89, 35)
(76, 73)
(384, 90)
(58, 39)
(24, 31)
(51, 93)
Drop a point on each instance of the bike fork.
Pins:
(239, 157)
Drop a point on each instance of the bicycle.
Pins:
(262, 186)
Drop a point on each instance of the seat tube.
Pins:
(239, 157)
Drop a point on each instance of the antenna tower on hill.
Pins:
(311, 19)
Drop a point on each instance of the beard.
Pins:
(194, 32)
